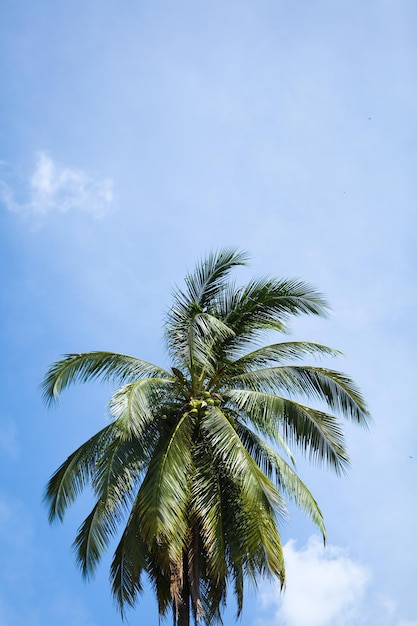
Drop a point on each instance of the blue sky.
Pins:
(137, 136)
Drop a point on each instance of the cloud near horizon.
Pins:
(330, 584)
(55, 188)
(326, 587)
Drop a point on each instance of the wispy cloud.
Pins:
(53, 187)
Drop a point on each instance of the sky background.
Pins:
(135, 137)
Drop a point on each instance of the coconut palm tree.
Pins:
(196, 462)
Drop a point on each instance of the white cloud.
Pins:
(324, 587)
(55, 188)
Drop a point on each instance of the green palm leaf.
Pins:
(267, 303)
(79, 368)
(287, 480)
(71, 478)
(114, 482)
(164, 493)
(335, 389)
(280, 352)
(209, 276)
(318, 434)
(130, 560)
(234, 458)
(134, 405)
(315, 432)
(206, 509)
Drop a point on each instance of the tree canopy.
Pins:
(197, 462)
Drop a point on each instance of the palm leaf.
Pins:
(233, 457)
(79, 368)
(335, 389)
(206, 508)
(191, 337)
(114, 481)
(134, 405)
(279, 352)
(71, 478)
(258, 497)
(130, 559)
(209, 276)
(268, 303)
(260, 410)
(317, 433)
(287, 480)
(164, 494)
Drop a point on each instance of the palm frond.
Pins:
(287, 480)
(114, 481)
(134, 405)
(206, 508)
(279, 352)
(337, 390)
(316, 433)
(135, 556)
(130, 560)
(233, 457)
(258, 497)
(269, 302)
(191, 336)
(93, 537)
(79, 368)
(165, 491)
(210, 274)
(238, 582)
(261, 410)
(71, 478)
(203, 333)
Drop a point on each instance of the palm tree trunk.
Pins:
(193, 559)
(184, 606)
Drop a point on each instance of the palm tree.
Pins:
(196, 462)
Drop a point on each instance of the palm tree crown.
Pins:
(196, 461)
